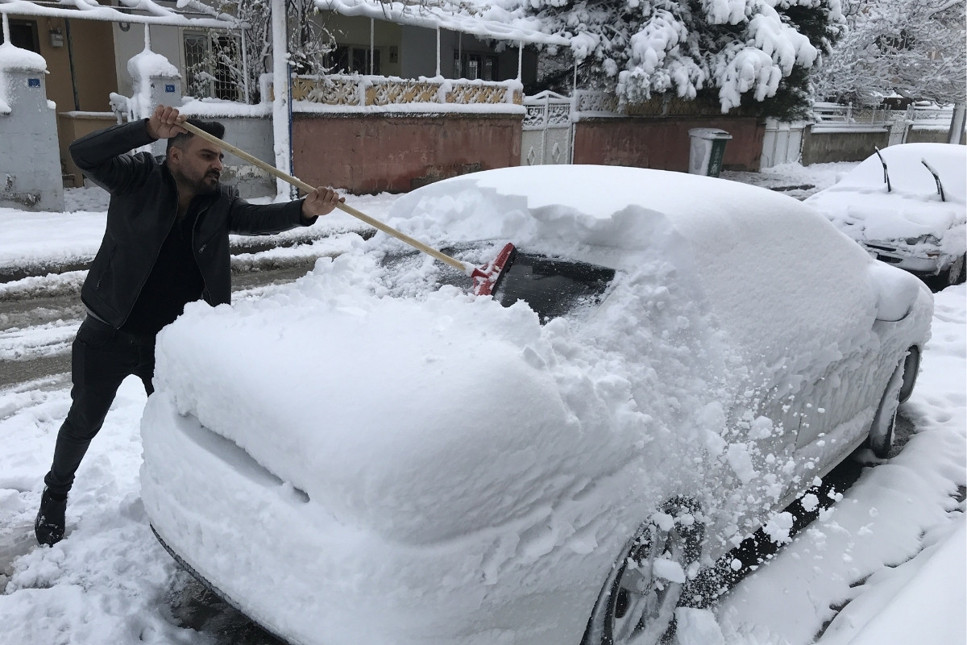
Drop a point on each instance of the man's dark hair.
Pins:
(211, 127)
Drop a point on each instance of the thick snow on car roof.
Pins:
(560, 208)
(752, 253)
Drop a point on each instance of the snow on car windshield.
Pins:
(909, 176)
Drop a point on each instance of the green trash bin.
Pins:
(706, 151)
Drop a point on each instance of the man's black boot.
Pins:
(49, 526)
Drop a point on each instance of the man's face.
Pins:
(197, 163)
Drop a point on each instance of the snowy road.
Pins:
(36, 329)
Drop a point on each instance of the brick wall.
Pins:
(663, 143)
(373, 153)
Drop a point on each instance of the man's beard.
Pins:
(208, 183)
(205, 185)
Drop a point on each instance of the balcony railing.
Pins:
(358, 91)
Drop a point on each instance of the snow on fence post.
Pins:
(30, 173)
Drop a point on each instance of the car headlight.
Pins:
(932, 240)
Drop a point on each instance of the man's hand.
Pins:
(165, 122)
(320, 201)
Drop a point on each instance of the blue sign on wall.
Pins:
(169, 87)
(33, 82)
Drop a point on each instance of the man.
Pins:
(166, 244)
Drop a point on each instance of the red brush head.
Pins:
(487, 278)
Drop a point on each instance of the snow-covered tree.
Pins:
(916, 48)
(309, 42)
(741, 50)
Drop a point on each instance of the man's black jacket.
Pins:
(144, 204)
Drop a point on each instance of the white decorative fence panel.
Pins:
(547, 135)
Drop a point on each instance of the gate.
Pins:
(547, 135)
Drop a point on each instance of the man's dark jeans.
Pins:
(102, 358)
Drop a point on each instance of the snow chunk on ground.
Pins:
(697, 627)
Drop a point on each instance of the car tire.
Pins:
(883, 428)
(635, 603)
(911, 369)
(955, 272)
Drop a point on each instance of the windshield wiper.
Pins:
(936, 178)
(886, 174)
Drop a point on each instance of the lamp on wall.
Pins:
(56, 38)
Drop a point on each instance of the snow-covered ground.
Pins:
(886, 564)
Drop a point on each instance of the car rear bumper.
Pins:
(276, 555)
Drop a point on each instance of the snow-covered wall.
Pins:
(30, 173)
(248, 127)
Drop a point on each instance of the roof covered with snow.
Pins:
(497, 19)
(186, 13)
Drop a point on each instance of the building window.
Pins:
(211, 62)
(353, 59)
(476, 67)
(23, 34)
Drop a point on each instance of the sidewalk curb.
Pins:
(249, 244)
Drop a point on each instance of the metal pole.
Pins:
(70, 59)
(957, 123)
(248, 95)
(280, 100)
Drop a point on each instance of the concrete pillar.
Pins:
(162, 90)
(154, 81)
(30, 172)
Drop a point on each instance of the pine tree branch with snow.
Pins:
(743, 50)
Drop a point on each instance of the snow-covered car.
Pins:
(906, 205)
(373, 454)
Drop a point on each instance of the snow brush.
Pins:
(485, 279)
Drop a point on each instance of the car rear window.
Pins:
(552, 287)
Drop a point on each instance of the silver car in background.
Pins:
(906, 205)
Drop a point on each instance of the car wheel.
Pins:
(911, 369)
(884, 421)
(955, 272)
(638, 600)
